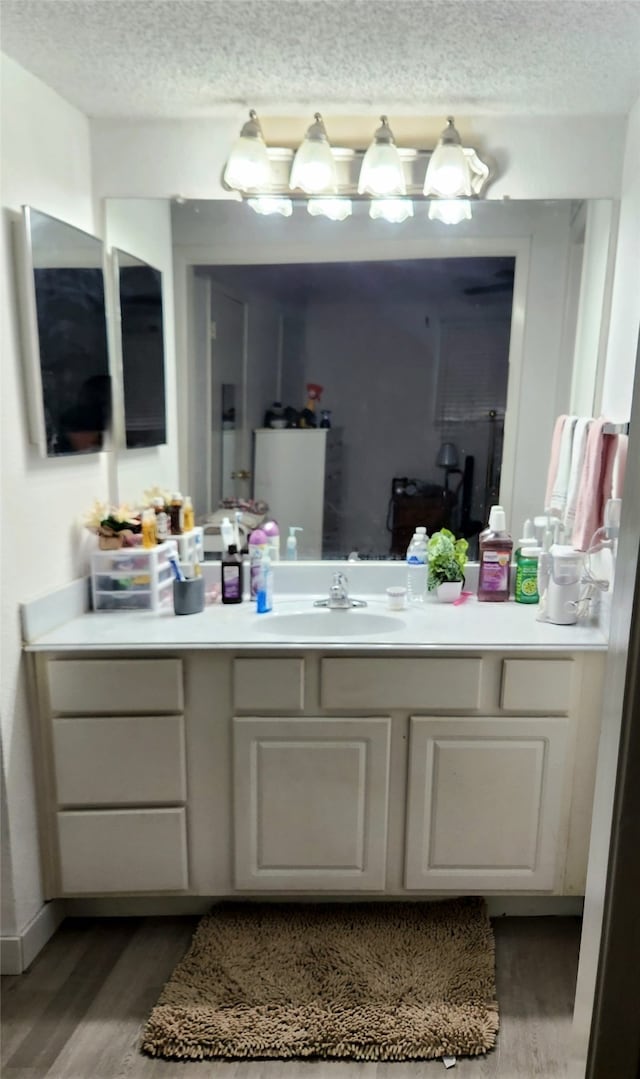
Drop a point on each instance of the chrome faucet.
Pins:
(339, 596)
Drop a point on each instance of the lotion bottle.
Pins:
(292, 543)
(496, 548)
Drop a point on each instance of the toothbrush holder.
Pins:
(188, 596)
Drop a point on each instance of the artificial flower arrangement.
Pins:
(115, 526)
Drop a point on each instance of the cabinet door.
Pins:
(311, 803)
(484, 803)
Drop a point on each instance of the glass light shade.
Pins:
(450, 211)
(448, 172)
(334, 209)
(266, 205)
(314, 169)
(248, 167)
(381, 172)
(395, 211)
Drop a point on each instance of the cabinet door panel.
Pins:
(484, 803)
(311, 803)
(132, 850)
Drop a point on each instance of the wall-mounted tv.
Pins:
(142, 345)
(65, 335)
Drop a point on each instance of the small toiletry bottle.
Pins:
(258, 544)
(148, 528)
(188, 516)
(175, 514)
(527, 575)
(292, 543)
(496, 548)
(232, 576)
(162, 520)
(527, 539)
(264, 594)
(272, 532)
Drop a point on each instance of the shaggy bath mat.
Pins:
(376, 981)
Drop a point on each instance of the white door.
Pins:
(484, 803)
(230, 449)
(310, 803)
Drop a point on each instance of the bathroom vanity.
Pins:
(212, 756)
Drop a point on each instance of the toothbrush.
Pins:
(175, 566)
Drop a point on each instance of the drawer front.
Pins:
(537, 685)
(124, 760)
(110, 686)
(134, 850)
(261, 685)
(402, 683)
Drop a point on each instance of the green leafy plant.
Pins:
(447, 558)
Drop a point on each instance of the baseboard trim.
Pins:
(18, 951)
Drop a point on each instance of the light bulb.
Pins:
(395, 211)
(268, 205)
(248, 167)
(334, 209)
(314, 169)
(448, 173)
(382, 172)
(450, 211)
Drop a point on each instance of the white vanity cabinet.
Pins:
(298, 771)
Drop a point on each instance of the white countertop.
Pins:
(472, 626)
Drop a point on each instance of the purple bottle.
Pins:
(258, 544)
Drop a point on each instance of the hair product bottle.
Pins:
(496, 547)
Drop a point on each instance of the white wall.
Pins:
(625, 303)
(142, 227)
(621, 388)
(537, 157)
(46, 163)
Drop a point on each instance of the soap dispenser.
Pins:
(292, 542)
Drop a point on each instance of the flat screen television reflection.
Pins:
(63, 311)
(142, 342)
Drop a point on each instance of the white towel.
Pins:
(578, 448)
(561, 485)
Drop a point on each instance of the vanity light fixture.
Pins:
(448, 173)
(381, 172)
(450, 211)
(334, 209)
(314, 169)
(249, 167)
(395, 211)
(271, 204)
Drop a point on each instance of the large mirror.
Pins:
(443, 353)
(62, 301)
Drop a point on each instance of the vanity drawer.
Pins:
(537, 685)
(132, 850)
(128, 760)
(402, 683)
(268, 685)
(115, 685)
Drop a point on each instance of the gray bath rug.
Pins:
(375, 981)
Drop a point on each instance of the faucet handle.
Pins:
(339, 581)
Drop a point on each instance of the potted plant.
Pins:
(447, 561)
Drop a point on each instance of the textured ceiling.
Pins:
(189, 58)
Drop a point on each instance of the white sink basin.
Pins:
(322, 622)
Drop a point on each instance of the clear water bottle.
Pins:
(417, 567)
